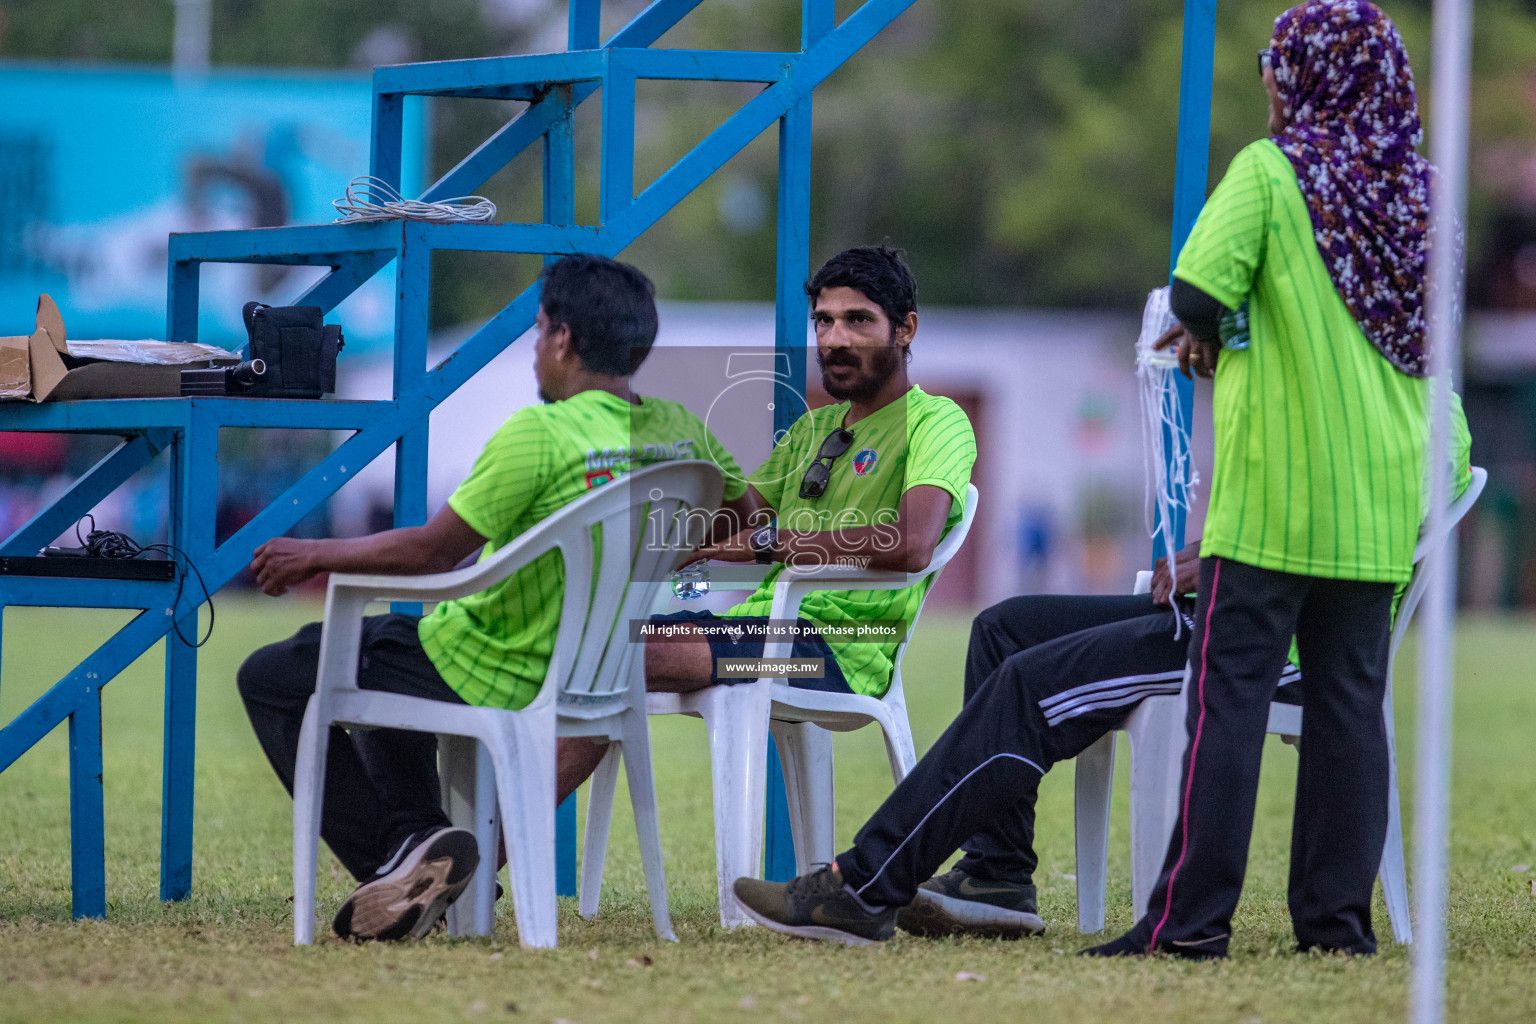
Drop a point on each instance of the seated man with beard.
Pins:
(876, 480)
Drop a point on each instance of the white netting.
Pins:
(1168, 464)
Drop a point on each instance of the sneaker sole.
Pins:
(934, 915)
(810, 931)
(410, 900)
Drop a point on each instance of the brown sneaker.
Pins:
(815, 906)
(408, 896)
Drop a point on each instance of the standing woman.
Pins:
(1317, 494)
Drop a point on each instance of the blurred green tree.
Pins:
(1022, 150)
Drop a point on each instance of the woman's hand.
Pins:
(1194, 354)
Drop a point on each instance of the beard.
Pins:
(882, 366)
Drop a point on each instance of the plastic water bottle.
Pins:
(691, 581)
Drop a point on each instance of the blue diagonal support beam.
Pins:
(44, 714)
(345, 278)
(100, 480)
(528, 127)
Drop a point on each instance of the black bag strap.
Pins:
(249, 313)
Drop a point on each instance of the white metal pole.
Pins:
(1451, 62)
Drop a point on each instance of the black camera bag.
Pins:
(299, 350)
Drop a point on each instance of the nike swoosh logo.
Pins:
(1200, 942)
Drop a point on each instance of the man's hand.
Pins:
(283, 562)
(1164, 586)
(1194, 354)
(736, 548)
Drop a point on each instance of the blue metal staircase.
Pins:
(186, 431)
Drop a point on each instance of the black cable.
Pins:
(112, 544)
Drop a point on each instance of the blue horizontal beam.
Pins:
(473, 76)
(299, 244)
(530, 238)
(290, 413)
(705, 65)
(66, 592)
(130, 416)
(379, 242)
(98, 416)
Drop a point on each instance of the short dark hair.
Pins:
(609, 307)
(880, 272)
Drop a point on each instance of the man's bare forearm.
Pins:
(403, 552)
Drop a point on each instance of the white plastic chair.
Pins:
(740, 717)
(639, 523)
(1156, 731)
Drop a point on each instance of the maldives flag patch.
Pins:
(598, 476)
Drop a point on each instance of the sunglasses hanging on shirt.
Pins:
(819, 473)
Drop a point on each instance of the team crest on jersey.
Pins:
(864, 461)
(598, 477)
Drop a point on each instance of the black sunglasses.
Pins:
(1266, 60)
(819, 473)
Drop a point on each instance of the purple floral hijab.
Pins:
(1343, 73)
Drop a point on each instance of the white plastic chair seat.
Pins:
(1157, 737)
(740, 717)
(498, 767)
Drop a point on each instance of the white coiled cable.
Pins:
(369, 199)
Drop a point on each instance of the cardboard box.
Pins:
(40, 369)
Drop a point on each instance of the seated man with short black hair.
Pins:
(383, 816)
(876, 480)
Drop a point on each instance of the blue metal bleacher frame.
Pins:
(186, 431)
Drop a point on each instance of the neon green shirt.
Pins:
(1320, 442)
(918, 439)
(494, 647)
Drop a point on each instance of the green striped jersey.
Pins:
(1320, 442)
(917, 439)
(494, 647)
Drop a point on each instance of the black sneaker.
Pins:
(408, 895)
(954, 903)
(815, 906)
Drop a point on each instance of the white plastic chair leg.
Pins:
(1156, 729)
(642, 792)
(1094, 777)
(600, 793)
(899, 748)
(308, 794)
(523, 751)
(487, 833)
(805, 751)
(736, 718)
(469, 799)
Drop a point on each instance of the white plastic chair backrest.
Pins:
(1420, 580)
(941, 555)
(639, 522)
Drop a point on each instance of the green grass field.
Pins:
(225, 954)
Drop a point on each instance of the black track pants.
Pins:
(1045, 678)
(380, 784)
(1243, 624)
